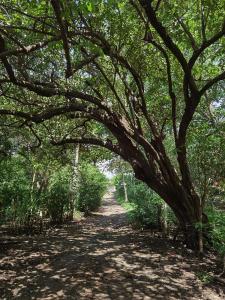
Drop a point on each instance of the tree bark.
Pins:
(191, 223)
(188, 210)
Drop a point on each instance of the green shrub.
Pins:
(23, 195)
(145, 208)
(58, 193)
(217, 221)
(92, 188)
(15, 190)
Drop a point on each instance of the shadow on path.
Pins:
(101, 258)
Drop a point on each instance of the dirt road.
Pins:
(101, 258)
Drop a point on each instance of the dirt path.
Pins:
(101, 258)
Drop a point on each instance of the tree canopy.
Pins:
(134, 77)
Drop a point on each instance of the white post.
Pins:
(75, 180)
(125, 189)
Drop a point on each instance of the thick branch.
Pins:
(157, 5)
(108, 144)
(57, 10)
(5, 62)
(50, 91)
(85, 62)
(46, 115)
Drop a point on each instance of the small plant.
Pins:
(204, 277)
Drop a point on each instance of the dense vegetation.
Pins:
(38, 187)
(143, 79)
(147, 210)
(144, 206)
(92, 188)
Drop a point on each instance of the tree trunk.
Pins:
(190, 216)
(188, 209)
(74, 182)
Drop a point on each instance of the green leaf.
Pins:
(90, 7)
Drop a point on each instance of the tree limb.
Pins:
(205, 45)
(189, 34)
(213, 81)
(108, 144)
(175, 50)
(27, 49)
(170, 86)
(57, 10)
(5, 62)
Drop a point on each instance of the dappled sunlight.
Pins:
(99, 258)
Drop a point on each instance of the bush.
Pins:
(146, 207)
(217, 221)
(15, 191)
(92, 188)
(27, 193)
(58, 193)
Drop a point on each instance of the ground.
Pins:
(102, 257)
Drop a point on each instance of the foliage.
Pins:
(37, 184)
(206, 154)
(15, 197)
(145, 206)
(205, 277)
(217, 221)
(58, 193)
(142, 79)
(92, 188)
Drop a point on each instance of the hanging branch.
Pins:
(5, 61)
(157, 5)
(63, 29)
(170, 87)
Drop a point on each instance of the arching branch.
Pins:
(108, 144)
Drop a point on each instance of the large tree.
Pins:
(125, 75)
